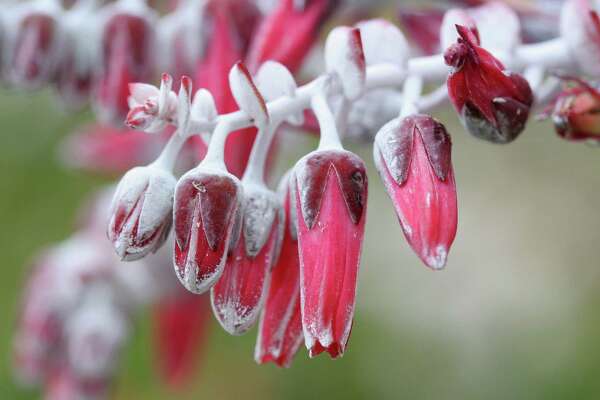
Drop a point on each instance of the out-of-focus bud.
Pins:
(127, 56)
(422, 27)
(575, 112)
(63, 384)
(413, 158)
(247, 95)
(580, 27)
(206, 203)
(493, 103)
(141, 212)
(486, 19)
(150, 107)
(203, 106)
(280, 331)
(331, 203)
(274, 80)
(344, 56)
(299, 26)
(240, 292)
(37, 45)
(383, 43)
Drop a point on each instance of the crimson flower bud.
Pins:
(128, 56)
(141, 212)
(206, 203)
(239, 294)
(575, 112)
(331, 202)
(493, 103)
(280, 330)
(36, 45)
(412, 156)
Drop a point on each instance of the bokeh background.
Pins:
(513, 316)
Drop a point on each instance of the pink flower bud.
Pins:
(383, 42)
(247, 95)
(575, 112)
(344, 56)
(141, 212)
(413, 158)
(422, 27)
(280, 331)
(240, 292)
(206, 203)
(493, 103)
(331, 202)
(580, 27)
(128, 56)
(150, 107)
(36, 46)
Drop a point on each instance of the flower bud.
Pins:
(575, 112)
(151, 107)
(247, 95)
(127, 54)
(141, 212)
(240, 292)
(493, 104)
(206, 203)
(274, 80)
(580, 28)
(331, 202)
(344, 56)
(413, 158)
(280, 330)
(383, 43)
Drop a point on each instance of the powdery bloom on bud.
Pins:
(344, 56)
(274, 80)
(280, 331)
(240, 292)
(580, 27)
(383, 42)
(35, 50)
(203, 106)
(331, 202)
(205, 208)
(413, 158)
(492, 102)
(575, 112)
(141, 212)
(151, 108)
(247, 95)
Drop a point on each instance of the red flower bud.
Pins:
(493, 103)
(331, 200)
(240, 292)
(575, 112)
(206, 203)
(280, 330)
(412, 156)
(141, 212)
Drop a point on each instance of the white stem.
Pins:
(215, 155)
(168, 157)
(329, 134)
(534, 75)
(433, 99)
(255, 170)
(413, 86)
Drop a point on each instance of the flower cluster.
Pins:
(288, 259)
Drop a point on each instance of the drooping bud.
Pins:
(493, 103)
(331, 202)
(280, 331)
(413, 158)
(128, 56)
(575, 112)
(205, 207)
(580, 28)
(141, 212)
(150, 107)
(344, 56)
(240, 292)
(247, 95)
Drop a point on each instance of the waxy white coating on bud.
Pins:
(203, 106)
(274, 80)
(383, 43)
(261, 206)
(580, 28)
(344, 57)
(246, 95)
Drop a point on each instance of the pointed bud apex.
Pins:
(344, 56)
(580, 28)
(452, 18)
(150, 107)
(274, 80)
(206, 202)
(184, 102)
(203, 106)
(413, 158)
(331, 202)
(280, 331)
(240, 292)
(247, 95)
(141, 212)
(383, 43)
(492, 102)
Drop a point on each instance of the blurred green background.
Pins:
(513, 316)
